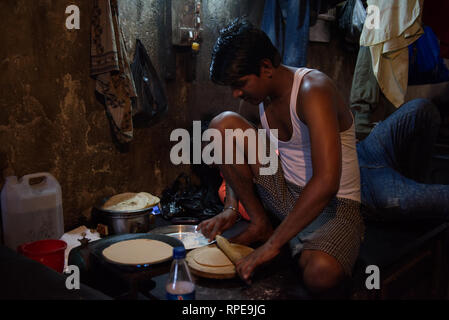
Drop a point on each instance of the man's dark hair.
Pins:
(238, 52)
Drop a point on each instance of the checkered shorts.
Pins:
(337, 231)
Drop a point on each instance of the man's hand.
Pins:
(216, 225)
(246, 266)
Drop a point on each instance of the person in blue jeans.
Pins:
(393, 162)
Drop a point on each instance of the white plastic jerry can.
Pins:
(31, 211)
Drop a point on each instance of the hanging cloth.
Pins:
(425, 64)
(399, 27)
(110, 68)
(286, 22)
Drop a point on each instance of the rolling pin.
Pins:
(229, 250)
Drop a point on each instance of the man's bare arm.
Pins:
(318, 110)
(224, 220)
(231, 199)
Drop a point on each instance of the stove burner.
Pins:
(119, 281)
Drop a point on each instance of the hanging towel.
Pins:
(110, 67)
(399, 27)
(286, 22)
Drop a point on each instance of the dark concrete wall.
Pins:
(51, 121)
(337, 59)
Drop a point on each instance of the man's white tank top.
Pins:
(296, 156)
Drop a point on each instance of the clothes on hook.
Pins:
(110, 68)
(286, 22)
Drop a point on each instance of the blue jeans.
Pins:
(393, 160)
(286, 23)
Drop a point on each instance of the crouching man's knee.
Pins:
(227, 120)
(321, 272)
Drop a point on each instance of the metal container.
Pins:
(137, 221)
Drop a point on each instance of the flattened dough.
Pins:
(130, 201)
(118, 198)
(151, 200)
(138, 251)
(204, 264)
(212, 257)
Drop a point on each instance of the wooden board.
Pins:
(219, 272)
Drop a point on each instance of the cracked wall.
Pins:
(50, 120)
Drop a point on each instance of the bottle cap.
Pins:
(179, 253)
(195, 46)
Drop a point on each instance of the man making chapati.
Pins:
(314, 197)
(315, 191)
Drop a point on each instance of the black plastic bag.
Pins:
(151, 101)
(184, 199)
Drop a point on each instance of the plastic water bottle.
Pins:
(180, 285)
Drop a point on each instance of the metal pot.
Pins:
(137, 221)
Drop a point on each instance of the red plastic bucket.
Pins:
(48, 252)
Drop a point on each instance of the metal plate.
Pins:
(187, 234)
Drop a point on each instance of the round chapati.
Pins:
(212, 257)
(117, 199)
(129, 201)
(151, 200)
(138, 251)
(226, 272)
